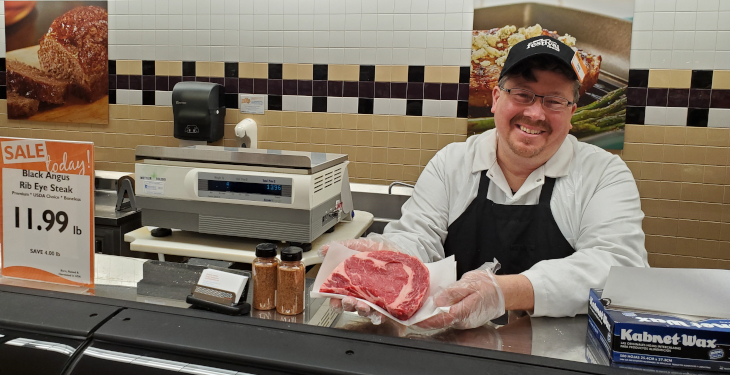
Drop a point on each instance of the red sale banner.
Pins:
(47, 205)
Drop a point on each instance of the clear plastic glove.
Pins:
(474, 300)
(373, 242)
(352, 304)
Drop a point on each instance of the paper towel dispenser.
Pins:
(198, 111)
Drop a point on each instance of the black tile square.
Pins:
(638, 77)
(304, 88)
(382, 89)
(245, 85)
(464, 91)
(188, 79)
(350, 89)
(275, 71)
(656, 97)
(274, 103)
(319, 88)
(148, 97)
(148, 68)
(365, 106)
(148, 82)
(414, 107)
(415, 73)
(231, 70)
(276, 87)
(462, 109)
(112, 81)
(464, 73)
(720, 99)
(319, 104)
(636, 96)
(231, 101)
(367, 73)
(701, 79)
(367, 89)
(172, 81)
(635, 115)
(699, 98)
(319, 72)
(3, 92)
(290, 86)
(219, 80)
(698, 117)
(202, 79)
(260, 86)
(162, 83)
(431, 90)
(135, 82)
(111, 66)
(415, 90)
(112, 96)
(123, 81)
(398, 90)
(449, 91)
(334, 88)
(3, 79)
(188, 68)
(231, 85)
(678, 98)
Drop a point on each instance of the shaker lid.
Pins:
(266, 250)
(291, 253)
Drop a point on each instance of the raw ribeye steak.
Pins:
(394, 281)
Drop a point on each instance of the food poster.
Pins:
(599, 30)
(57, 61)
(47, 206)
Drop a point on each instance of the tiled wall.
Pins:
(679, 146)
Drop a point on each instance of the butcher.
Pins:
(555, 213)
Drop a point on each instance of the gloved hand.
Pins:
(474, 300)
(373, 242)
(352, 304)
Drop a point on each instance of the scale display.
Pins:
(244, 187)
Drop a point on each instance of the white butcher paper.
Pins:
(441, 275)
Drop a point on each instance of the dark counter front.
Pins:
(141, 338)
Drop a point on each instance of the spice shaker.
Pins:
(265, 267)
(290, 282)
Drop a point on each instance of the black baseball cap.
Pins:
(544, 45)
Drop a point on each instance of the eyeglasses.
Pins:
(553, 103)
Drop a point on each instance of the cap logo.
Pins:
(544, 42)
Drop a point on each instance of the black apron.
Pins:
(518, 236)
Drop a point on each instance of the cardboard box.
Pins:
(635, 337)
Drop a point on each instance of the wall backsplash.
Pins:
(383, 81)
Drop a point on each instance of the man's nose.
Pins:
(535, 111)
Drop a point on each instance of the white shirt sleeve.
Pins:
(607, 233)
(423, 225)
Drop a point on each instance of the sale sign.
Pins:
(47, 205)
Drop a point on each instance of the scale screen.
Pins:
(244, 187)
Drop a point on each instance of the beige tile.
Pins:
(696, 136)
(692, 173)
(336, 72)
(397, 123)
(444, 139)
(381, 123)
(430, 124)
(721, 79)
(349, 137)
(334, 149)
(304, 135)
(289, 71)
(380, 139)
(718, 137)
(715, 174)
(273, 118)
(447, 125)
(304, 119)
(305, 71)
(688, 228)
(134, 67)
(412, 140)
(632, 151)
(202, 68)
(118, 111)
(675, 135)
(365, 154)
(334, 121)
(260, 70)
(691, 192)
(694, 154)
(364, 138)
(288, 118)
(635, 168)
(669, 209)
(410, 173)
(712, 193)
(396, 139)
(460, 126)
(650, 189)
(654, 134)
(217, 69)
(378, 171)
(396, 156)
(429, 141)
(634, 133)
(319, 120)
(680, 79)
(432, 74)
(450, 74)
(245, 70)
(364, 122)
(123, 67)
(351, 73)
(659, 226)
(669, 172)
(174, 68)
(399, 73)
(412, 157)
(716, 156)
(652, 153)
(380, 155)
(382, 73)
(673, 153)
(394, 172)
(319, 136)
(413, 124)
(659, 77)
(162, 68)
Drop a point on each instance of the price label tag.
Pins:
(47, 206)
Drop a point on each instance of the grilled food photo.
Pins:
(491, 47)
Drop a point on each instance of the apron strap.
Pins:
(547, 191)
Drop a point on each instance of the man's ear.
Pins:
(495, 96)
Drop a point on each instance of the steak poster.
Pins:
(57, 61)
(600, 31)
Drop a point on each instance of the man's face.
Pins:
(530, 130)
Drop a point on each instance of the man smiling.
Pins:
(555, 212)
